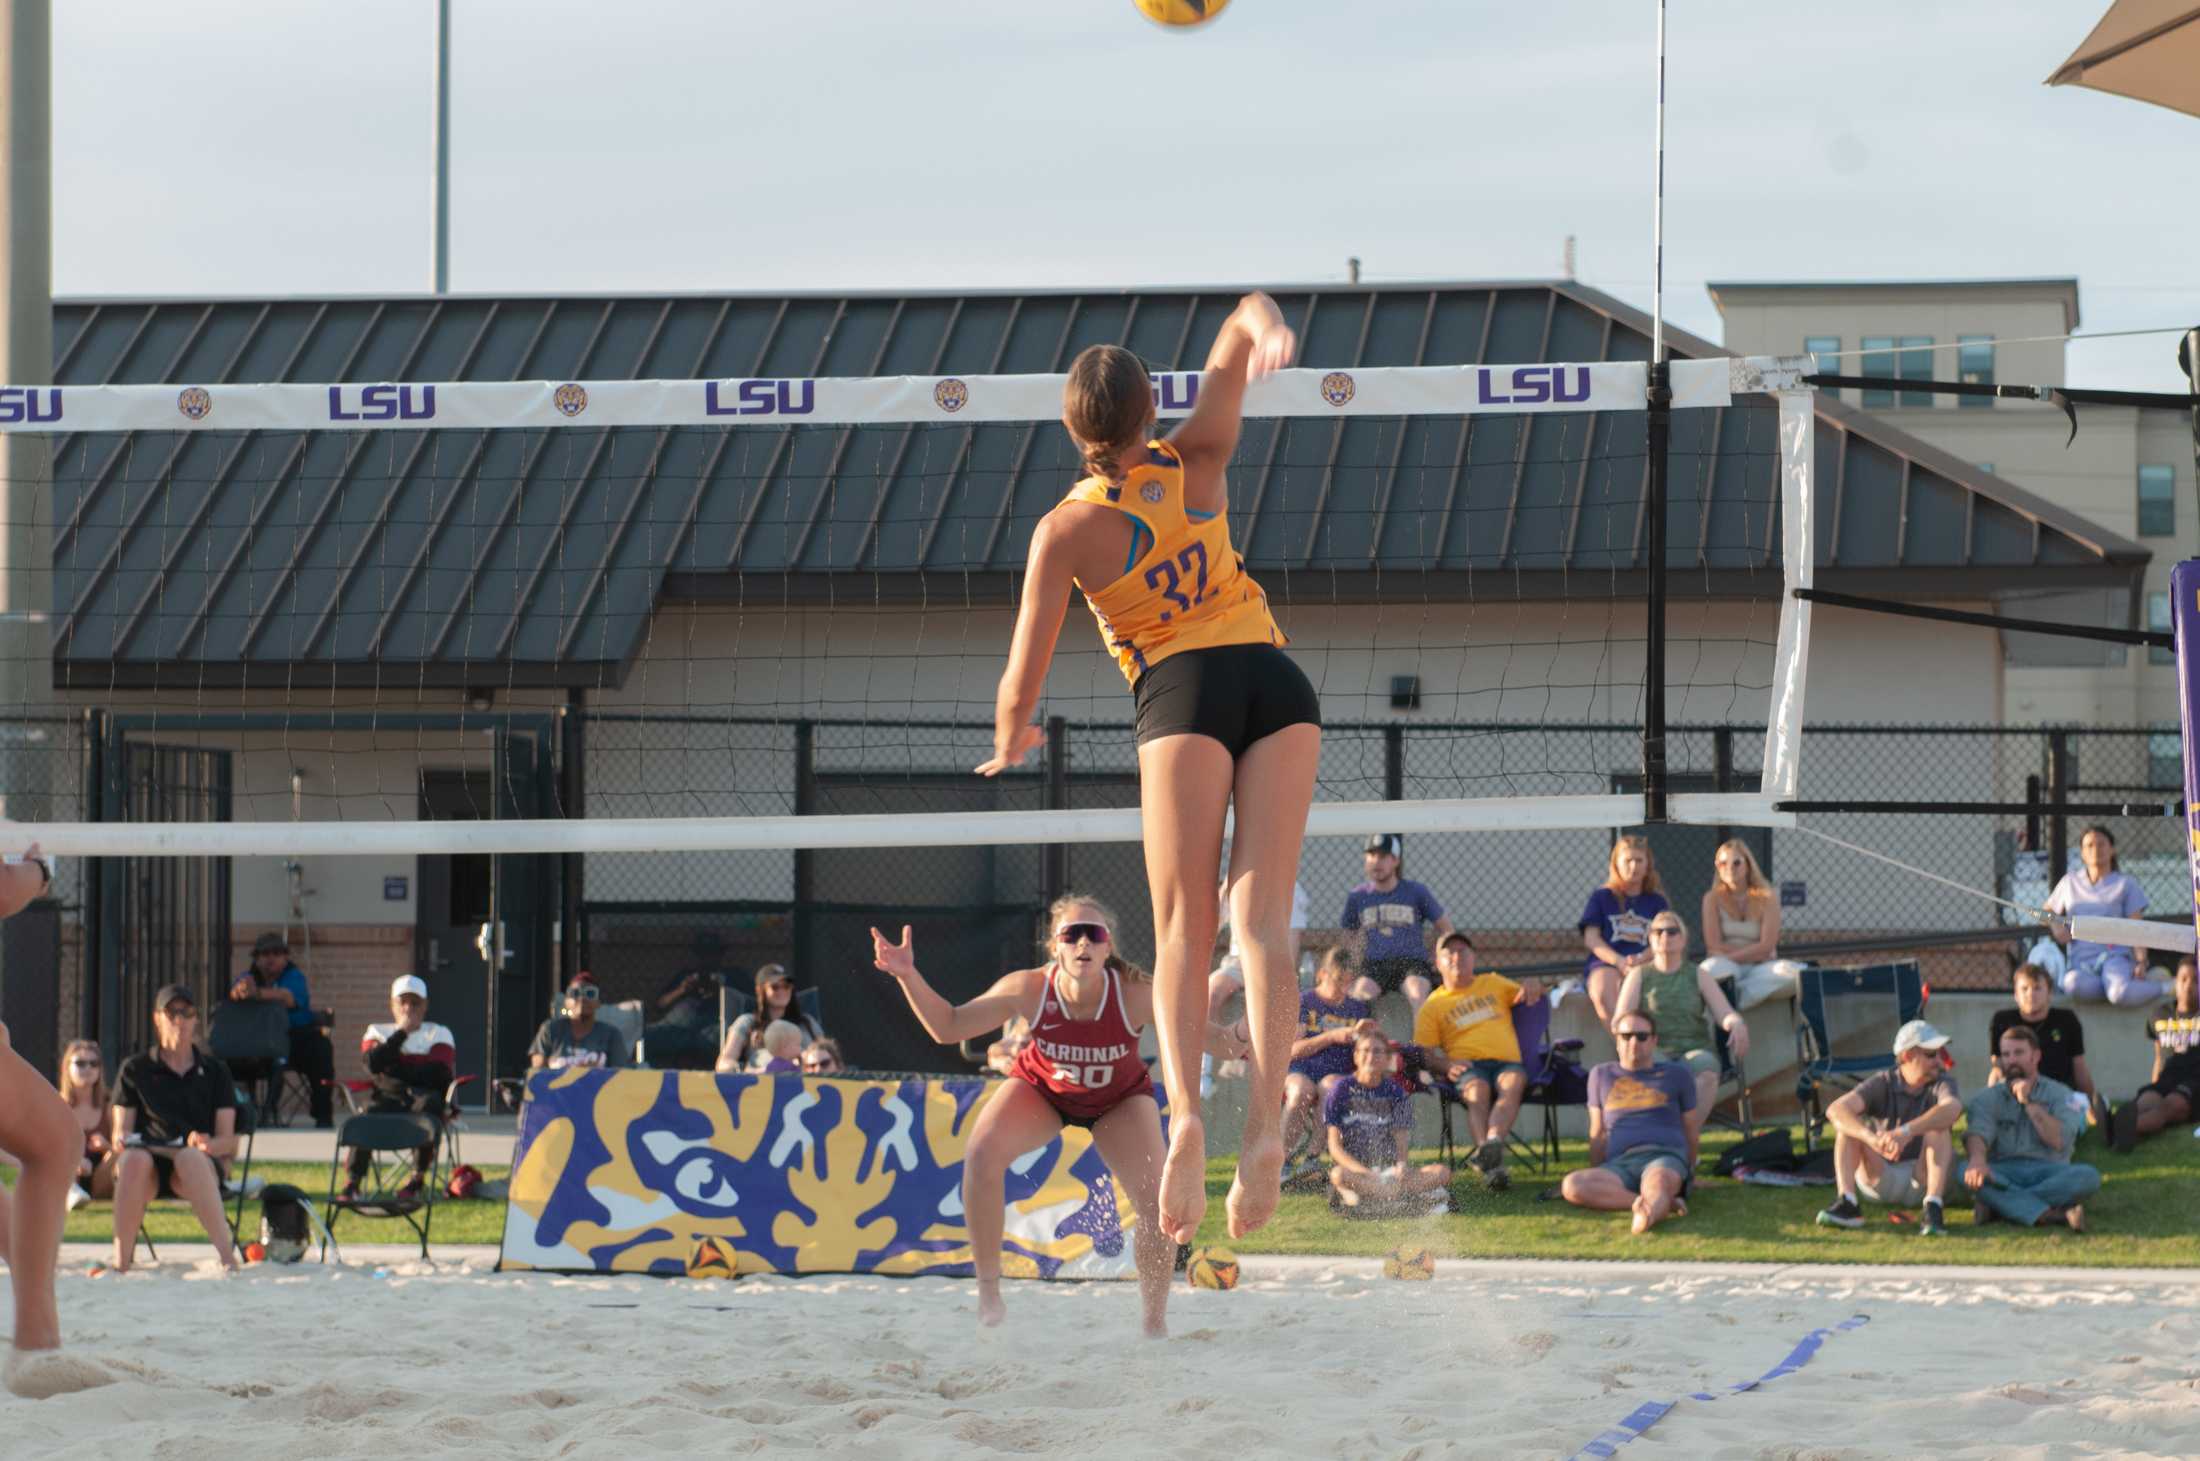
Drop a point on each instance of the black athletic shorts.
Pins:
(1234, 693)
(1390, 974)
(2180, 1077)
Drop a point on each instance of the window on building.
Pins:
(1879, 359)
(1824, 351)
(2158, 621)
(1984, 466)
(2157, 502)
(1917, 364)
(1975, 366)
(2165, 761)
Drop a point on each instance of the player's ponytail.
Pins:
(1107, 404)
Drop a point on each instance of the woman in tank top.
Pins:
(1225, 720)
(1686, 1001)
(1080, 1067)
(1741, 928)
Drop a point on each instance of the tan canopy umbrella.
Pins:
(2148, 50)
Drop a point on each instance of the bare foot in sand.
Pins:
(1258, 1185)
(1184, 1179)
(991, 1311)
(37, 1374)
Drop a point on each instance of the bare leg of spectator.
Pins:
(1475, 1096)
(1417, 990)
(1512, 1088)
(1604, 981)
(1936, 1161)
(1660, 1199)
(1298, 1109)
(134, 1183)
(1707, 1091)
(199, 1182)
(1598, 1188)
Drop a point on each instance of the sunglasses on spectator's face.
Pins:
(1633, 1035)
(1665, 930)
(820, 1065)
(80, 1063)
(180, 1012)
(1069, 933)
(583, 991)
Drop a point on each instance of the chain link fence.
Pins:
(976, 909)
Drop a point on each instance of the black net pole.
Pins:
(1653, 671)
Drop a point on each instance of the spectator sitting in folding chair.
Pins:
(276, 979)
(1466, 1032)
(413, 1063)
(176, 1123)
(577, 1037)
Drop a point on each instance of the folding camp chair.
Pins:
(390, 1138)
(1880, 998)
(1731, 1073)
(252, 1038)
(234, 1187)
(357, 1092)
(1549, 1087)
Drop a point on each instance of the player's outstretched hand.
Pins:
(1273, 349)
(1022, 744)
(899, 960)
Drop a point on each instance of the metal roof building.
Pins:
(529, 558)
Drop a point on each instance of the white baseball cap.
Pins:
(409, 984)
(1917, 1035)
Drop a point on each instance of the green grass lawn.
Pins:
(171, 1222)
(2147, 1214)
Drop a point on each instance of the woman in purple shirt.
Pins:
(2100, 889)
(1615, 924)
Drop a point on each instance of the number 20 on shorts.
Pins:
(1084, 1077)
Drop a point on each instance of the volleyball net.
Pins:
(345, 588)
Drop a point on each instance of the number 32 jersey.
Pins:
(1085, 1068)
(1183, 585)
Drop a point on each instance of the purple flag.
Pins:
(2184, 618)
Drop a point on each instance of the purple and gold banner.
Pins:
(2184, 618)
(625, 1171)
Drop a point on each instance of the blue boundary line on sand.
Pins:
(1651, 1412)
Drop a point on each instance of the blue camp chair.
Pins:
(1867, 997)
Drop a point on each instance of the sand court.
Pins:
(1308, 1357)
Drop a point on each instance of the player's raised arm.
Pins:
(1253, 341)
(950, 1024)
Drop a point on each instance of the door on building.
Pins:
(1686, 855)
(159, 920)
(454, 901)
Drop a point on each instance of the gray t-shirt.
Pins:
(560, 1048)
(1889, 1101)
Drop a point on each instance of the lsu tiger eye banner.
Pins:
(625, 1171)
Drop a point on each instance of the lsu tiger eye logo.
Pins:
(1151, 491)
(570, 399)
(194, 403)
(951, 395)
(1337, 388)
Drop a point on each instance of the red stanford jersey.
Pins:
(1085, 1068)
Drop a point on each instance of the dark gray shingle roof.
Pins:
(529, 557)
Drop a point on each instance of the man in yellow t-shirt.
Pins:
(1467, 1030)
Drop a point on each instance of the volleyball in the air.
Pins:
(1180, 14)
(1409, 1263)
(1212, 1268)
(709, 1259)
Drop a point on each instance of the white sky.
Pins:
(227, 147)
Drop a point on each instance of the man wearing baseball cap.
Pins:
(1383, 918)
(413, 1063)
(1890, 1126)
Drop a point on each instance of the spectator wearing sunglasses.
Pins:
(84, 1091)
(176, 1122)
(774, 1001)
(823, 1058)
(577, 1037)
(1641, 1142)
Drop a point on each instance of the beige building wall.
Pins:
(2095, 476)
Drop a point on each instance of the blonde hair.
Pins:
(1632, 842)
(69, 1085)
(1755, 884)
(1068, 902)
(777, 1034)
